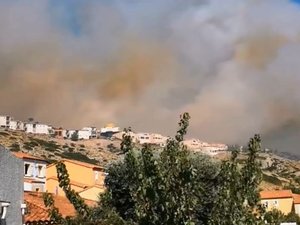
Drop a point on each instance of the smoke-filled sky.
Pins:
(233, 65)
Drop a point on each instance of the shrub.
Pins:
(15, 147)
(272, 179)
(78, 156)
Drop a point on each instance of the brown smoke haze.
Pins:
(234, 67)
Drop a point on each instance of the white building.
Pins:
(109, 130)
(37, 128)
(87, 133)
(68, 133)
(16, 125)
(194, 144)
(5, 121)
(159, 139)
(34, 172)
(207, 148)
(84, 134)
(143, 138)
(151, 138)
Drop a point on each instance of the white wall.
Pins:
(36, 169)
(143, 138)
(84, 134)
(297, 209)
(37, 172)
(29, 128)
(27, 186)
(16, 125)
(41, 129)
(150, 138)
(5, 121)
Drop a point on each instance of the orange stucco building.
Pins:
(86, 179)
(281, 200)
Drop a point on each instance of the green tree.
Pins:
(238, 196)
(172, 187)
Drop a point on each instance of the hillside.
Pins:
(96, 151)
(279, 172)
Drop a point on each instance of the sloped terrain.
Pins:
(96, 151)
(278, 172)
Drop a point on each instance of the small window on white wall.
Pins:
(26, 169)
(40, 171)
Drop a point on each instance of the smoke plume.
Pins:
(234, 66)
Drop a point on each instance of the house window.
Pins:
(275, 203)
(40, 171)
(26, 169)
(3, 210)
(96, 175)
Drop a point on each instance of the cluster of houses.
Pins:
(31, 127)
(109, 131)
(24, 178)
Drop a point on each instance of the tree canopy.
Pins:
(172, 186)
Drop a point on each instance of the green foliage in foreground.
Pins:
(171, 187)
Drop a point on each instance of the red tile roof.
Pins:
(22, 155)
(88, 165)
(37, 210)
(296, 198)
(276, 194)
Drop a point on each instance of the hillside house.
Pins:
(151, 138)
(281, 200)
(86, 179)
(67, 134)
(16, 125)
(194, 144)
(87, 133)
(109, 130)
(34, 172)
(11, 188)
(92, 131)
(58, 132)
(5, 121)
(207, 148)
(37, 128)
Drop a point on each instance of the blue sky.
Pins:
(66, 13)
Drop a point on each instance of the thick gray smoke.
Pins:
(234, 66)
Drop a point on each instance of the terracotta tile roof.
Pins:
(38, 212)
(88, 165)
(22, 155)
(35, 213)
(72, 182)
(296, 198)
(276, 194)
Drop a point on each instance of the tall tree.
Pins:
(172, 186)
(238, 196)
